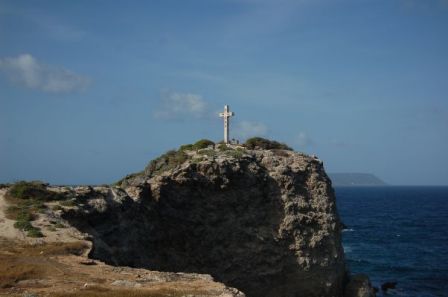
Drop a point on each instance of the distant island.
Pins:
(355, 179)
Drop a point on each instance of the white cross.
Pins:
(226, 115)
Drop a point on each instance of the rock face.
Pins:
(264, 222)
(359, 286)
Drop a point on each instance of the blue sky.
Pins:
(92, 90)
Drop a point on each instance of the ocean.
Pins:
(397, 234)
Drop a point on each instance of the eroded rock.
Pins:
(264, 222)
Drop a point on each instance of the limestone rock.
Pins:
(262, 221)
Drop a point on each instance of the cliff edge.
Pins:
(262, 221)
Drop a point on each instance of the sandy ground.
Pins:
(54, 265)
(7, 229)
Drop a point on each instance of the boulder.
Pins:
(359, 286)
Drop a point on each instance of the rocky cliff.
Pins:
(263, 221)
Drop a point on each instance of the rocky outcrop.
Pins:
(262, 221)
(359, 286)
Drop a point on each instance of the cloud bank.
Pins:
(181, 105)
(25, 70)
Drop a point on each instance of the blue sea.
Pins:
(397, 234)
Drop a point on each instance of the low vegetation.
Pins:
(207, 152)
(174, 158)
(237, 153)
(22, 262)
(127, 177)
(223, 147)
(26, 200)
(167, 161)
(34, 190)
(97, 291)
(202, 144)
(203, 147)
(263, 143)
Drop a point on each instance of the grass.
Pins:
(97, 291)
(34, 190)
(26, 200)
(202, 144)
(237, 154)
(263, 143)
(21, 261)
(23, 216)
(167, 161)
(222, 147)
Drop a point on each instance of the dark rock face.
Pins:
(359, 286)
(265, 223)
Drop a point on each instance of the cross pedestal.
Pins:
(226, 115)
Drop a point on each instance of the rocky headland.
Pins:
(262, 220)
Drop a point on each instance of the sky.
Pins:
(93, 90)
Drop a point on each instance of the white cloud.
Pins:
(181, 105)
(27, 71)
(247, 129)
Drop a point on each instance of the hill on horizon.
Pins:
(355, 179)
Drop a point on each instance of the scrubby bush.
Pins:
(33, 190)
(222, 147)
(237, 154)
(203, 143)
(127, 177)
(186, 147)
(263, 143)
(167, 161)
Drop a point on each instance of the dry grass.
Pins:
(21, 262)
(60, 274)
(97, 291)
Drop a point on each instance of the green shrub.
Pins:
(28, 198)
(186, 147)
(167, 161)
(237, 154)
(263, 143)
(33, 190)
(203, 143)
(34, 232)
(222, 147)
(23, 225)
